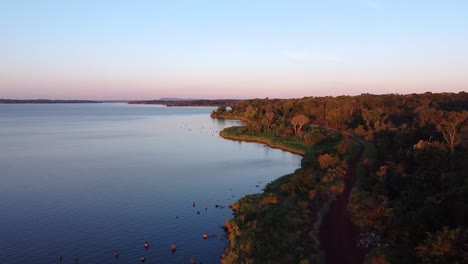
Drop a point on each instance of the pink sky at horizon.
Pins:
(103, 50)
(122, 93)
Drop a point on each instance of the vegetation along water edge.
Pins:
(391, 167)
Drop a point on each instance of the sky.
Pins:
(112, 50)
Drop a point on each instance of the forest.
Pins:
(409, 197)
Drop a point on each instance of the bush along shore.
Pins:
(386, 174)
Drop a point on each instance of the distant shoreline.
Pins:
(168, 103)
(47, 101)
(201, 102)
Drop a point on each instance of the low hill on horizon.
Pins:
(188, 102)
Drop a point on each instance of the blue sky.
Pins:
(236, 49)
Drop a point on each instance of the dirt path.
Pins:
(338, 235)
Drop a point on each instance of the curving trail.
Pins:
(338, 235)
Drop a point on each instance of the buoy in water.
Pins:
(205, 236)
(116, 254)
(146, 245)
(142, 259)
(173, 248)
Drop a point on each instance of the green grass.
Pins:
(329, 143)
(292, 144)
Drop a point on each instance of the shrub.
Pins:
(328, 161)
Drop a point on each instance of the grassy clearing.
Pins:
(291, 144)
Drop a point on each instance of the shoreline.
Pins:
(47, 101)
(319, 226)
(320, 214)
(265, 142)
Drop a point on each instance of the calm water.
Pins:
(87, 179)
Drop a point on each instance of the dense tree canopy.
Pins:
(414, 192)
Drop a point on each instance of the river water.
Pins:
(88, 179)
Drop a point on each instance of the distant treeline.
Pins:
(45, 101)
(216, 102)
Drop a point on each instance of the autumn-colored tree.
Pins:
(349, 107)
(250, 112)
(328, 161)
(270, 116)
(334, 118)
(439, 247)
(298, 122)
(371, 117)
(288, 107)
(343, 147)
